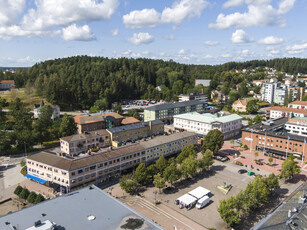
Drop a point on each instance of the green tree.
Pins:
(270, 160)
(152, 170)
(188, 167)
(140, 174)
(252, 106)
(256, 154)
(171, 173)
(128, 184)
(289, 168)
(161, 164)
(32, 197)
(68, 126)
(102, 104)
(243, 90)
(18, 190)
(206, 161)
(94, 109)
(229, 212)
(232, 142)
(185, 153)
(118, 109)
(24, 194)
(41, 126)
(159, 182)
(272, 182)
(39, 198)
(213, 141)
(304, 98)
(258, 119)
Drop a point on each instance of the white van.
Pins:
(202, 202)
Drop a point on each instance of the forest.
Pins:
(80, 81)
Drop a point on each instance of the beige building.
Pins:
(69, 172)
(75, 144)
(218, 97)
(96, 122)
(123, 134)
(239, 105)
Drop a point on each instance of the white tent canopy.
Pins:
(199, 192)
(187, 199)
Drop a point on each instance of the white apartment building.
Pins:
(201, 124)
(279, 111)
(78, 143)
(297, 126)
(193, 96)
(298, 105)
(267, 92)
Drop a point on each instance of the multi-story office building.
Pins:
(279, 111)
(272, 137)
(69, 172)
(80, 143)
(201, 124)
(165, 112)
(92, 123)
(123, 134)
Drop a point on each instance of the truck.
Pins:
(202, 202)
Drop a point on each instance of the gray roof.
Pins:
(71, 212)
(133, 126)
(175, 105)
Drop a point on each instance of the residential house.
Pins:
(239, 105)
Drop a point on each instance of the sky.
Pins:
(186, 31)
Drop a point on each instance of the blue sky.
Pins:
(187, 31)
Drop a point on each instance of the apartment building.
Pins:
(123, 134)
(201, 124)
(280, 95)
(68, 172)
(298, 105)
(240, 105)
(165, 112)
(272, 137)
(96, 122)
(267, 92)
(297, 126)
(81, 143)
(279, 111)
(193, 96)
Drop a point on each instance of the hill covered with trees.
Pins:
(82, 80)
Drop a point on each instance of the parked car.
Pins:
(241, 171)
(221, 158)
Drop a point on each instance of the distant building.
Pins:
(201, 124)
(298, 105)
(87, 208)
(297, 125)
(97, 122)
(203, 82)
(193, 96)
(165, 112)
(55, 110)
(123, 134)
(69, 171)
(239, 105)
(218, 97)
(280, 95)
(7, 84)
(129, 121)
(279, 111)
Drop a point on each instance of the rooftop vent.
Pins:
(91, 217)
(37, 223)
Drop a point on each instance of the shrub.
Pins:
(32, 197)
(239, 163)
(22, 163)
(39, 198)
(245, 147)
(18, 190)
(24, 193)
(23, 171)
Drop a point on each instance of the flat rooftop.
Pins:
(207, 117)
(133, 126)
(73, 211)
(175, 105)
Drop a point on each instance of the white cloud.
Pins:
(239, 36)
(226, 55)
(259, 13)
(10, 10)
(270, 40)
(211, 43)
(297, 48)
(179, 12)
(169, 37)
(114, 32)
(244, 53)
(73, 32)
(141, 38)
(182, 52)
(142, 18)
(232, 3)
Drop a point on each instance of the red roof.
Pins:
(7, 82)
(129, 120)
(298, 103)
(287, 109)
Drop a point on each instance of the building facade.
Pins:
(56, 113)
(193, 96)
(297, 126)
(7, 84)
(201, 124)
(72, 172)
(81, 143)
(280, 95)
(279, 111)
(267, 92)
(240, 105)
(165, 112)
(123, 134)
(97, 122)
(298, 105)
(203, 82)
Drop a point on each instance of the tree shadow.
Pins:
(231, 152)
(170, 190)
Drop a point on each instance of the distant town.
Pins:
(187, 149)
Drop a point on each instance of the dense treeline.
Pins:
(80, 81)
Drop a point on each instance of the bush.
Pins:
(245, 147)
(239, 163)
(23, 171)
(32, 197)
(24, 194)
(39, 198)
(22, 163)
(18, 190)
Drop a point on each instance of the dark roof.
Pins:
(80, 119)
(134, 126)
(174, 105)
(85, 135)
(71, 212)
(275, 130)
